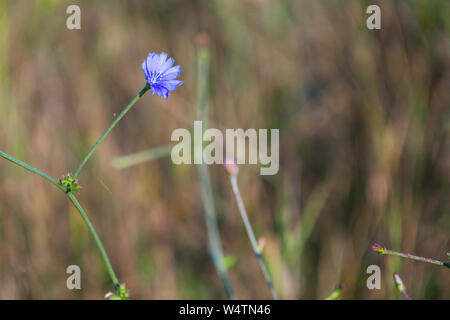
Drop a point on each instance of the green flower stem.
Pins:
(77, 172)
(112, 125)
(77, 206)
(30, 168)
(251, 234)
(96, 238)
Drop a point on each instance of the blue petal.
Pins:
(158, 90)
(171, 84)
(144, 67)
(162, 59)
(162, 91)
(165, 92)
(172, 73)
(166, 65)
(151, 63)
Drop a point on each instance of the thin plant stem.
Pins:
(251, 235)
(96, 238)
(214, 242)
(75, 176)
(215, 246)
(407, 297)
(382, 250)
(31, 169)
(111, 126)
(77, 206)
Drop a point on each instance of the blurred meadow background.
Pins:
(364, 119)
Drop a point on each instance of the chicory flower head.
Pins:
(161, 74)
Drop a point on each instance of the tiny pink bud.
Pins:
(261, 244)
(399, 282)
(261, 241)
(378, 248)
(231, 167)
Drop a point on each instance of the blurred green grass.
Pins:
(364, 124)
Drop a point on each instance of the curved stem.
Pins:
(96, 238)
(31, 169)
(111, 126)
(77, 206)
(251, 235)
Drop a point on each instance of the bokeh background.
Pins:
(364, 119)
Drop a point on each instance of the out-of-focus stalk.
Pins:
(251, 235)
(232, 169)
(382, 250)
(215, 244)
(141, 156)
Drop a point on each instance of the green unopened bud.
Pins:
(69, 182)
(121, 293)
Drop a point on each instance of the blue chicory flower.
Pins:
(160, 74)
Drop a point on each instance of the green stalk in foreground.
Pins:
(91, 228)
(111, 126)
(251, 235)
(77, 206)
(382, 250)
(31, 169)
